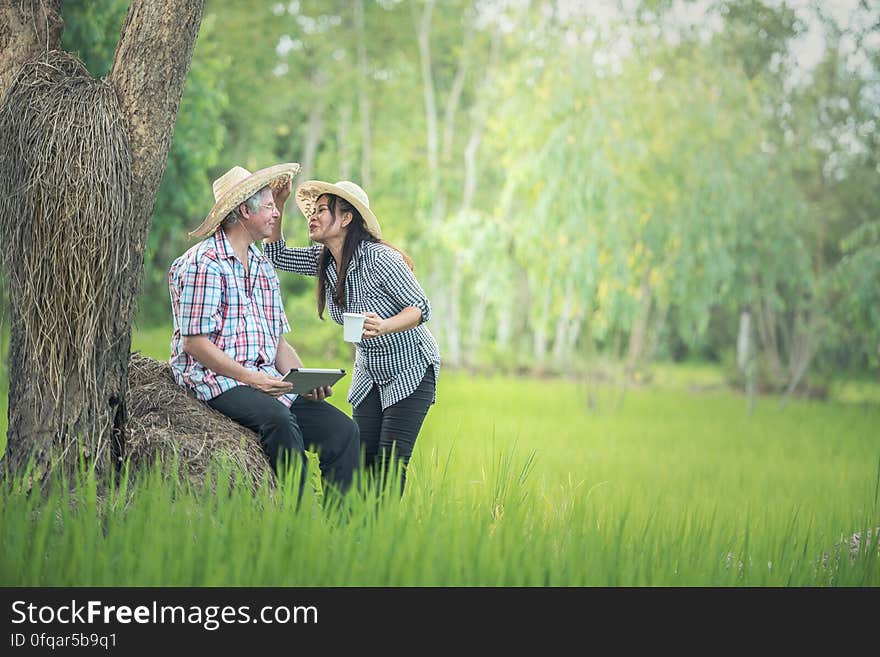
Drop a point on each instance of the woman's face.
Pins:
(324, 225)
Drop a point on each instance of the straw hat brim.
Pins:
(308, 192)
(274, 176)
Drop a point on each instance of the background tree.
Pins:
(74, 276)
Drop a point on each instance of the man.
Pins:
(228, 344)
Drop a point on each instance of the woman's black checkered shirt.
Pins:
(378, 280)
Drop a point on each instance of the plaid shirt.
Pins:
(241, 313)
(379, 281)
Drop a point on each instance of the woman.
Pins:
(397, 361)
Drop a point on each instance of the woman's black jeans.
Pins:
(397, 425)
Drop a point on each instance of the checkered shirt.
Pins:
(379, 281)
(241, 313)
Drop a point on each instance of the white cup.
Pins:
(353, 326)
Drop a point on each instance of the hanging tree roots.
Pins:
(168, 425)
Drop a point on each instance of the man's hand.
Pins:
(269, 384)
(319, 394)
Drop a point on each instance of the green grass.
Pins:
(513, 482)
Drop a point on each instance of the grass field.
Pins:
(514, 482)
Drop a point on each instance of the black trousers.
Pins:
(284, 432)
(397, 425)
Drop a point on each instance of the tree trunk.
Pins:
(423, 31)
(566, 338)
(745, 356)
(559, 337)
(27, 28)
(513, 318)
(504, 333)
(479, 113)
(343, 143)
(803, 349)
(478, 318)
(767, 329)
(452, 101)
(566, 316)
(363, 99)
(314, 128)
(654, 335)
(640, 328)
(90, 409)
(539, 331)
(453, 315)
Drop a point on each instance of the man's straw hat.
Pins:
(308, 192)
(237, 185)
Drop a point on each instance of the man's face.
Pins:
(260, 223)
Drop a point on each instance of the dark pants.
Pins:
(397, 425)
(284, 432)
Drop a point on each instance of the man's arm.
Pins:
(286, 358)
(214, 358)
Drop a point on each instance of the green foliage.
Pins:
(91, 30)
(857, 290)
(758, 34)
(626, 171)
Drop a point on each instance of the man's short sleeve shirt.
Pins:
(239, 311)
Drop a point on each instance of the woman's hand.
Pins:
(374, 326)
(408, 318)
(281, 194)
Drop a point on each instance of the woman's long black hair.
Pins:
(357, 233)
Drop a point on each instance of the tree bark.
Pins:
(640, 328)
(364, 99)
(767, 329)
(150, 67)
(343, 143)
(654, 335)
(478, 318)
(802, 351)
(565, 316)
(452, 314)
(314, 128)
(539, 331)
(745, 359)
(423, 31)
(26, 29)
(149, 71)
(452, 101)
(479, 113)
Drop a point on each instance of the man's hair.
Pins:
(252, 203)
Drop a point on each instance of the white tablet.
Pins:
(305, 379)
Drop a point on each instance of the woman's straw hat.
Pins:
(308, 192)
(237, 185)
